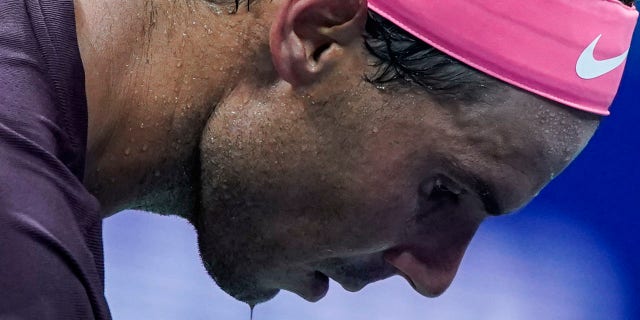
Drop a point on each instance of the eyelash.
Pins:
(444, 191)
(439, 185)
(442, 184)
(441, 189)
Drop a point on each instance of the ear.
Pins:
(308, 36)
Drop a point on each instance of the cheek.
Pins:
(308, 181)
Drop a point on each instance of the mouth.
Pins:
(355, 273)
(320, 286)
(314, 288)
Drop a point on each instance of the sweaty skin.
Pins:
(260, 129)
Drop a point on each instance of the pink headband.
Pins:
(570, 51)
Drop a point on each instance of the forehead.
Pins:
(519, 143)
(506, 147)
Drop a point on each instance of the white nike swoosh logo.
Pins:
(589, 67)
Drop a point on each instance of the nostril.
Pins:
(428, 277)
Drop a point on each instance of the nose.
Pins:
(431, 263)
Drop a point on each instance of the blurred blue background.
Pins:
(571, 254)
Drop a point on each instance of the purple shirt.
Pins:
(51, 264)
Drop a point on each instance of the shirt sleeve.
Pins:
(38, 276)
(51, 264)
(50, 237)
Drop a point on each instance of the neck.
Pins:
(153, 80)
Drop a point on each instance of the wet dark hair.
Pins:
(403, 58)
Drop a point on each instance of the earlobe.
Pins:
(308, 35)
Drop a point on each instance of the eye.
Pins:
(440, 190)
(440, 184)
(436, 194)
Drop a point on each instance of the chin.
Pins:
(244, 289)
(255, 297)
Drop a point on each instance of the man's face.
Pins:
(344, 180)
